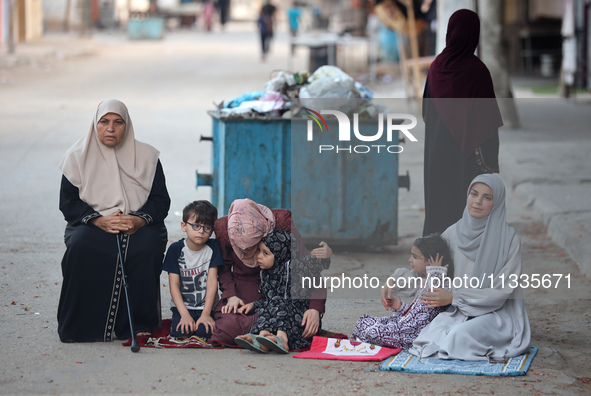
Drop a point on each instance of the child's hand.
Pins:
(387, 300)
(232, 305)
(394, 303)
(386, 293)
(207, 321)
(186, 324)
(322, 252)
(245, 308)
(437, 262)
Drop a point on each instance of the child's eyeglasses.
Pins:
(197, 227)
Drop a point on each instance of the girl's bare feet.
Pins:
(251, 343)
(281, 335)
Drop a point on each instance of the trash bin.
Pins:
(321, 55)
(251, 159)
(149, 28)
(332, 197)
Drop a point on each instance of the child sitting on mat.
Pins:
(280, 313)
(192, 264)
(401, 329)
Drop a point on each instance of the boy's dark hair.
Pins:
(433, 244)
(205, 212)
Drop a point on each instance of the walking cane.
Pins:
(135, 347)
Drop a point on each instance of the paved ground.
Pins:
(48, 93)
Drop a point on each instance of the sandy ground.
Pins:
(46, 102)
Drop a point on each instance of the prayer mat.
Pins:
(331, 334)
(160, 339)
(408, 363)
(343, 349)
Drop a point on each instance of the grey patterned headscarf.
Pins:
(282, 244)
(486, 241)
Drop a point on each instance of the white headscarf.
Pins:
(111, 178)
(486, 241)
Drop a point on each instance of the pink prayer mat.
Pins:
(342, 349)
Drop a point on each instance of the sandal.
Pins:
(251, 346)
(276, 346)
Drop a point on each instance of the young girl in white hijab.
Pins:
(487, 319)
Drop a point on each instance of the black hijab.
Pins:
(458, 74)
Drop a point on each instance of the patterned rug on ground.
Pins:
(343, 349)
(160, 339)
(413, 364)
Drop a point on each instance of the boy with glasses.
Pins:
(192, 264)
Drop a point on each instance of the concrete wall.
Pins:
(27, 22)
(55, 14)
(545, 9)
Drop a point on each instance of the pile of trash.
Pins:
(287, 93)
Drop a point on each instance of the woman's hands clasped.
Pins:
(118, 222)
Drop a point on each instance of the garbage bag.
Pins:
(236, 102)
(276, 84)
(326, 83)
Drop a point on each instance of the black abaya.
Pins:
(448, 171)
(92, 304)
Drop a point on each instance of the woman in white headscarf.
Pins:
(112, 187)
(488, 320)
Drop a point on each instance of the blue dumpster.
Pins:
(149, 28)
(343, 199)
(251, 159)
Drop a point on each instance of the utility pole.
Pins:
(84, 17)
(11, 17)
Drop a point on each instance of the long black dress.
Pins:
(92, 304)
(448, 171)
(462, 121)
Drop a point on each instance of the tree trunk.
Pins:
(494, 55)
(11, 17)
(67, 16)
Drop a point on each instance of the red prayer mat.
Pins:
(160, 339)
(341, 349)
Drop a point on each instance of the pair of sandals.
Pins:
(258, 340)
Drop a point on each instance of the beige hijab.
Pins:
(248, 223)
(111, 178)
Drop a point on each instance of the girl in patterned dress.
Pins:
(280, 312)
(400, 329)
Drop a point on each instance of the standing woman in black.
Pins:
(112, 187)
(461, 123)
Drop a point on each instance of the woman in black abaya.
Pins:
(112, 187)
(461, 120)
